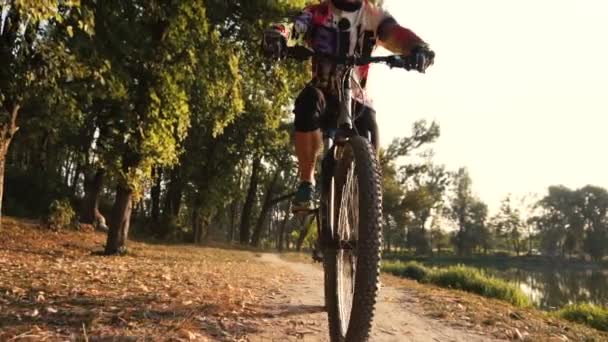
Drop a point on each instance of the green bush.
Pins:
(411, 270)
(588, 314)
(473, 280)
(61, 214)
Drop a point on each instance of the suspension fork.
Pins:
(325, 214)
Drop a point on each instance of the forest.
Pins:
(163, 120)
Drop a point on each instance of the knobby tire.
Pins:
(368, 244)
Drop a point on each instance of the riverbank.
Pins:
(475, 281)
(489, 317)
(499, 261)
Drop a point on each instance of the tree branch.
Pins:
(13, 127)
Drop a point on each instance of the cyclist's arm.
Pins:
(391, 35)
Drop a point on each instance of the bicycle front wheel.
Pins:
(352, 263)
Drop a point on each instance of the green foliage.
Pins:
(413, 192)
(508, 226)
(61, 214)
(470, 214)
(33, 51)
(574, 221)
(155, 53)
(588, 314)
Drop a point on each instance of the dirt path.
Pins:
(297, 314)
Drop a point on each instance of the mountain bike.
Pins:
(349, 217)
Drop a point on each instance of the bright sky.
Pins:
(519, 88)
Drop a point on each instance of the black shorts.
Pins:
(315, 110)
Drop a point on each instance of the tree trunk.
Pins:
(249, 201)
(120, 220)
(172, 203)
(234, 207)
(157, 175)
(207, 229)
(67, 168)
(2, 164)
(7, 131)
(173, 199)
(257, 232)
(90, 212)
(75, 178)
(282, 229)
(196, 227)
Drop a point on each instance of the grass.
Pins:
(476, 281)
(588, 314)
(410, 270)
(461, 278)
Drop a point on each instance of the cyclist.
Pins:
(338, 28)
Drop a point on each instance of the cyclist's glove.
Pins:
(420, 59)
(274, 44)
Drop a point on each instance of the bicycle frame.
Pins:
(332, 140)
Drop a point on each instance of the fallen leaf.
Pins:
(187, 334)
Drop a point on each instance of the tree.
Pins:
(156, 52)
(412, 191)
(477, 231)
(508, 225)
(439, 239)
(34, 61)
(460, 207)
(470, 215)
(555, 220)
(594, 209)
(574, 221)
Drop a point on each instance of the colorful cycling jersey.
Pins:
(329, 30)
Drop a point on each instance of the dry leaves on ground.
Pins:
(53, 288)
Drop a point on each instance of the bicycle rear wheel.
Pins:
(353, 210)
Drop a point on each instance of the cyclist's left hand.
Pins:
(421, 58)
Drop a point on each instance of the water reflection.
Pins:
(551, 288)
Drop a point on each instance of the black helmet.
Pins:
(348, 5)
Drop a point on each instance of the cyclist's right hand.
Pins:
(274, 43)
(421, 58)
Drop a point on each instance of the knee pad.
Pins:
(309, 108)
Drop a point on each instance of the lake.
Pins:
(553, 287)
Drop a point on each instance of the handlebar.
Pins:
(396, 61)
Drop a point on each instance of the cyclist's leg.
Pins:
(366, 124)
(309, 108)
